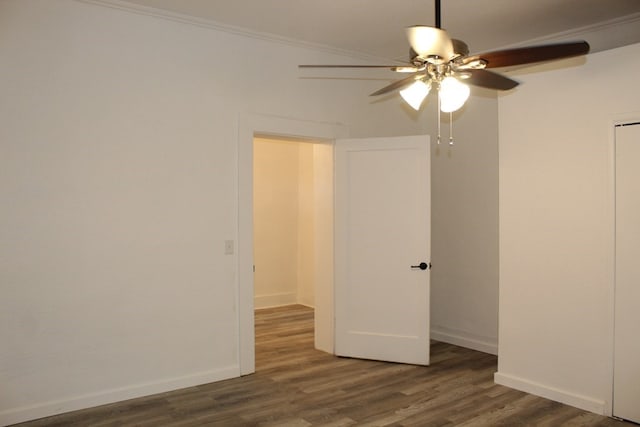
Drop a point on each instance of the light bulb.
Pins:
(453, 94)
(416, 93)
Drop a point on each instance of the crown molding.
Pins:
(217, 26)
(628, 21)
(631, 21)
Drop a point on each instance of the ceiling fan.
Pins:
(438, 60)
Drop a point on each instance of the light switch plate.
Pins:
(228, 247)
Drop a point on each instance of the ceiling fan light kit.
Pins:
(416, 93)
(453, 94)
(440, 61)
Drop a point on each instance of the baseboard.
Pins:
(47, 409)
(306, 305)
(463, 339)
(274, 300)
(582, 402)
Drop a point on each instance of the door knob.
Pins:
(421, 266)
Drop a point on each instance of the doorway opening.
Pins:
(250, 126)
(284, 211)
(293, 228)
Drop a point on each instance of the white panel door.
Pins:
(626, 382)
(382, 229)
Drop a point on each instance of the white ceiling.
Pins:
(376, 27)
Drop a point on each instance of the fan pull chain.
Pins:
(451, 128)
(438, 139)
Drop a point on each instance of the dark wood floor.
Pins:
(295, 385)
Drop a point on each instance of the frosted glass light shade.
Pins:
(453, 94)
(416, 93)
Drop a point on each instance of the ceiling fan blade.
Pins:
(349, 66)
(460, 47)
(489, 79)
(430, 42)
(398, 84)
(396, 68)
(527, 55)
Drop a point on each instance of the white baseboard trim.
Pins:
(274, 300)
(563, 396)
(47, 409)
(463, 339)
(306, 305)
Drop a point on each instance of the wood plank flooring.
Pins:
(296, 385)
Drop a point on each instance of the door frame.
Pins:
(250, 125)
(614, 121)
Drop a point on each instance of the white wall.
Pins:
(283, 244)
(275, 219)
(306, 225)
(119, 136)
(323, 246)
(556, 225)
(464, 224)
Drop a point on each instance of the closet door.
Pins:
(626, 383)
